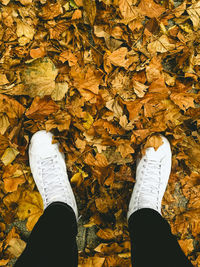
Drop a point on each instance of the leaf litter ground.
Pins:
(105, 77)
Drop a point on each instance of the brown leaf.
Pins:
(12, 108)
(90, 8)
(86, 80)
(154, 141)
(51, 11)
(13, 176)
(61, 121)
(41, 108)
(183, 100)
(68, 56)
(92, 261)
(125, 149)
(106, 234)
(127, 9)
(150, 9)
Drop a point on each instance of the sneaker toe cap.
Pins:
(41, 143)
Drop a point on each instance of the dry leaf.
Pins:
(90, 9)
(9, 155)
(4, 123)
(61, 121)
(16, 246)
(161, 45)
(39, 78)
(183, 100)
(41, 108)
(150, 9)
(139, 88)
(194, 13)
(30, 207)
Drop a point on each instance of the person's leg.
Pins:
(152, 243)
(53, 238)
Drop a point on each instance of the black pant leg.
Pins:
(52, 242)
(152, 243)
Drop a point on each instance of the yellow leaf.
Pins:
(161, 45)
(24, 29)
(139, 88)
(4, 123)
(77, 179)
(30, 207)
(150, 9)
(88, 121)
(194, 12)
(183, 100)
(9, 155)
(16, 246)
(39, 78)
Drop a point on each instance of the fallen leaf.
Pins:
(194, 13)
(9, 155)
(61, 121)
(161, 45)
(39, 78)
(41, 108)
(51, 11)
(183, 100)
(139, 88)
(30, 207)
(150, 9)
(90, 8)
(4, 123)
(16, 247)
(106, 234)
(154, 141)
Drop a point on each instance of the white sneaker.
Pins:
(49, 171)
(152, 175)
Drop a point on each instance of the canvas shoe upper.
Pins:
(49, 171)
(152, 175)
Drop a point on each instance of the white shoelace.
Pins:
(51, 173)
(150, 183)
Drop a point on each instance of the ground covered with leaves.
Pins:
(104, 76)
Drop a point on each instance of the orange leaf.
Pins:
(41, 107)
